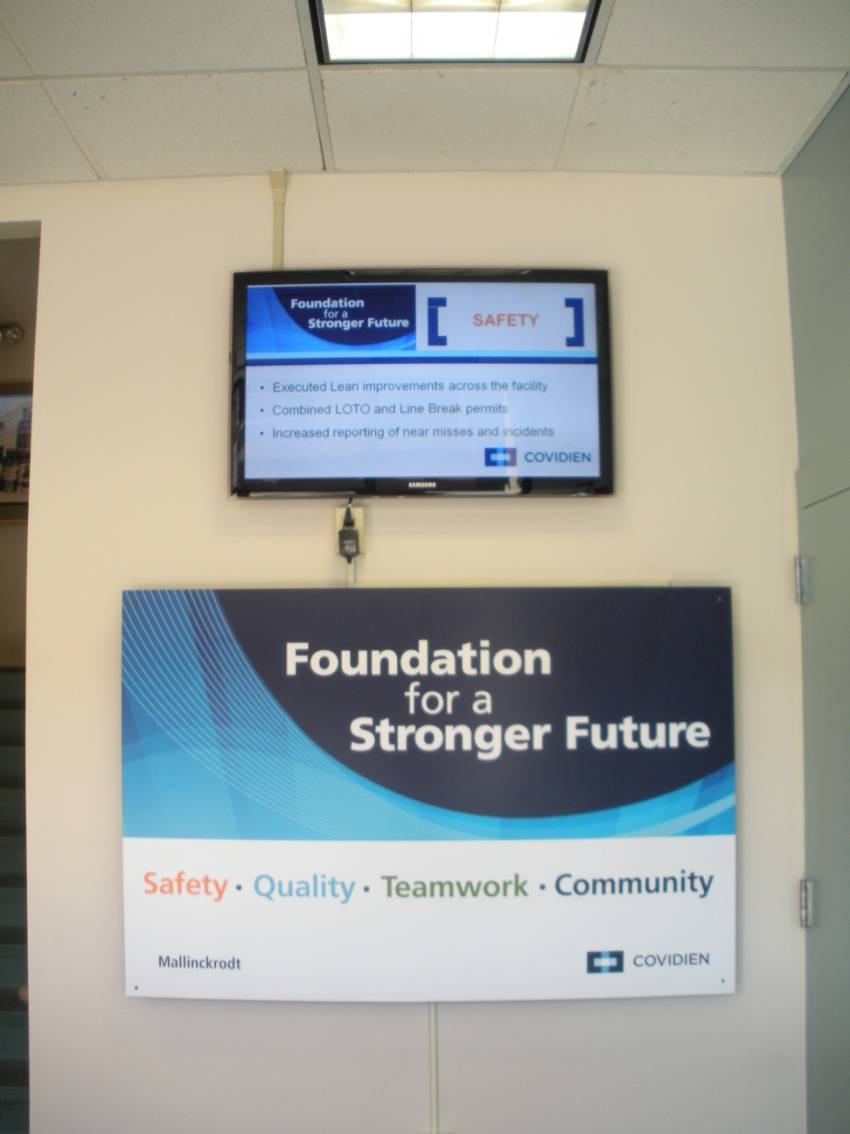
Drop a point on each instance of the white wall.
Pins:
(130, 488)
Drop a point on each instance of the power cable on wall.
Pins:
(278, 180)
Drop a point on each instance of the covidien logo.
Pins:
(501, 458)
(605, 961)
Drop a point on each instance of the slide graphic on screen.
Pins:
(457, 380)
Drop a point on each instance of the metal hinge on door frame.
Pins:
(802, 589)
(807, 903)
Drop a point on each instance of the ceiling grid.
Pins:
(113, 89)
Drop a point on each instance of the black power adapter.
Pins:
(348, 536)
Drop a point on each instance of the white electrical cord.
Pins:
(278, 180)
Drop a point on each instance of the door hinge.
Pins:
(807, 903)
(802, 588)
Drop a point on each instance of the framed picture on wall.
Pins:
(15, 438)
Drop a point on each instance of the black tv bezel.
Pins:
(499, 487)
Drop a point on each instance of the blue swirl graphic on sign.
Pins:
(208, 752)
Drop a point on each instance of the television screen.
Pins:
(416, 383)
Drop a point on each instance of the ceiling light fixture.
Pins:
(438, 31)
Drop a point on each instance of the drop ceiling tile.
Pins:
(111, 37)
(12, 63)
(723, 122)
(728, 33)
(187, 126)
(35, 145)
(469, 118)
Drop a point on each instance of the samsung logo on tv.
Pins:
(422, 484)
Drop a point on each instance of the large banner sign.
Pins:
(441, 794)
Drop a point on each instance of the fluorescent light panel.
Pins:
(361, 31)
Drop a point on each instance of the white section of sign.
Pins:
(409, 921)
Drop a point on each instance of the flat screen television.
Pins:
(365, 383)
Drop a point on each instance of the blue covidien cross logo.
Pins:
(501, 458)
(605, 961)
